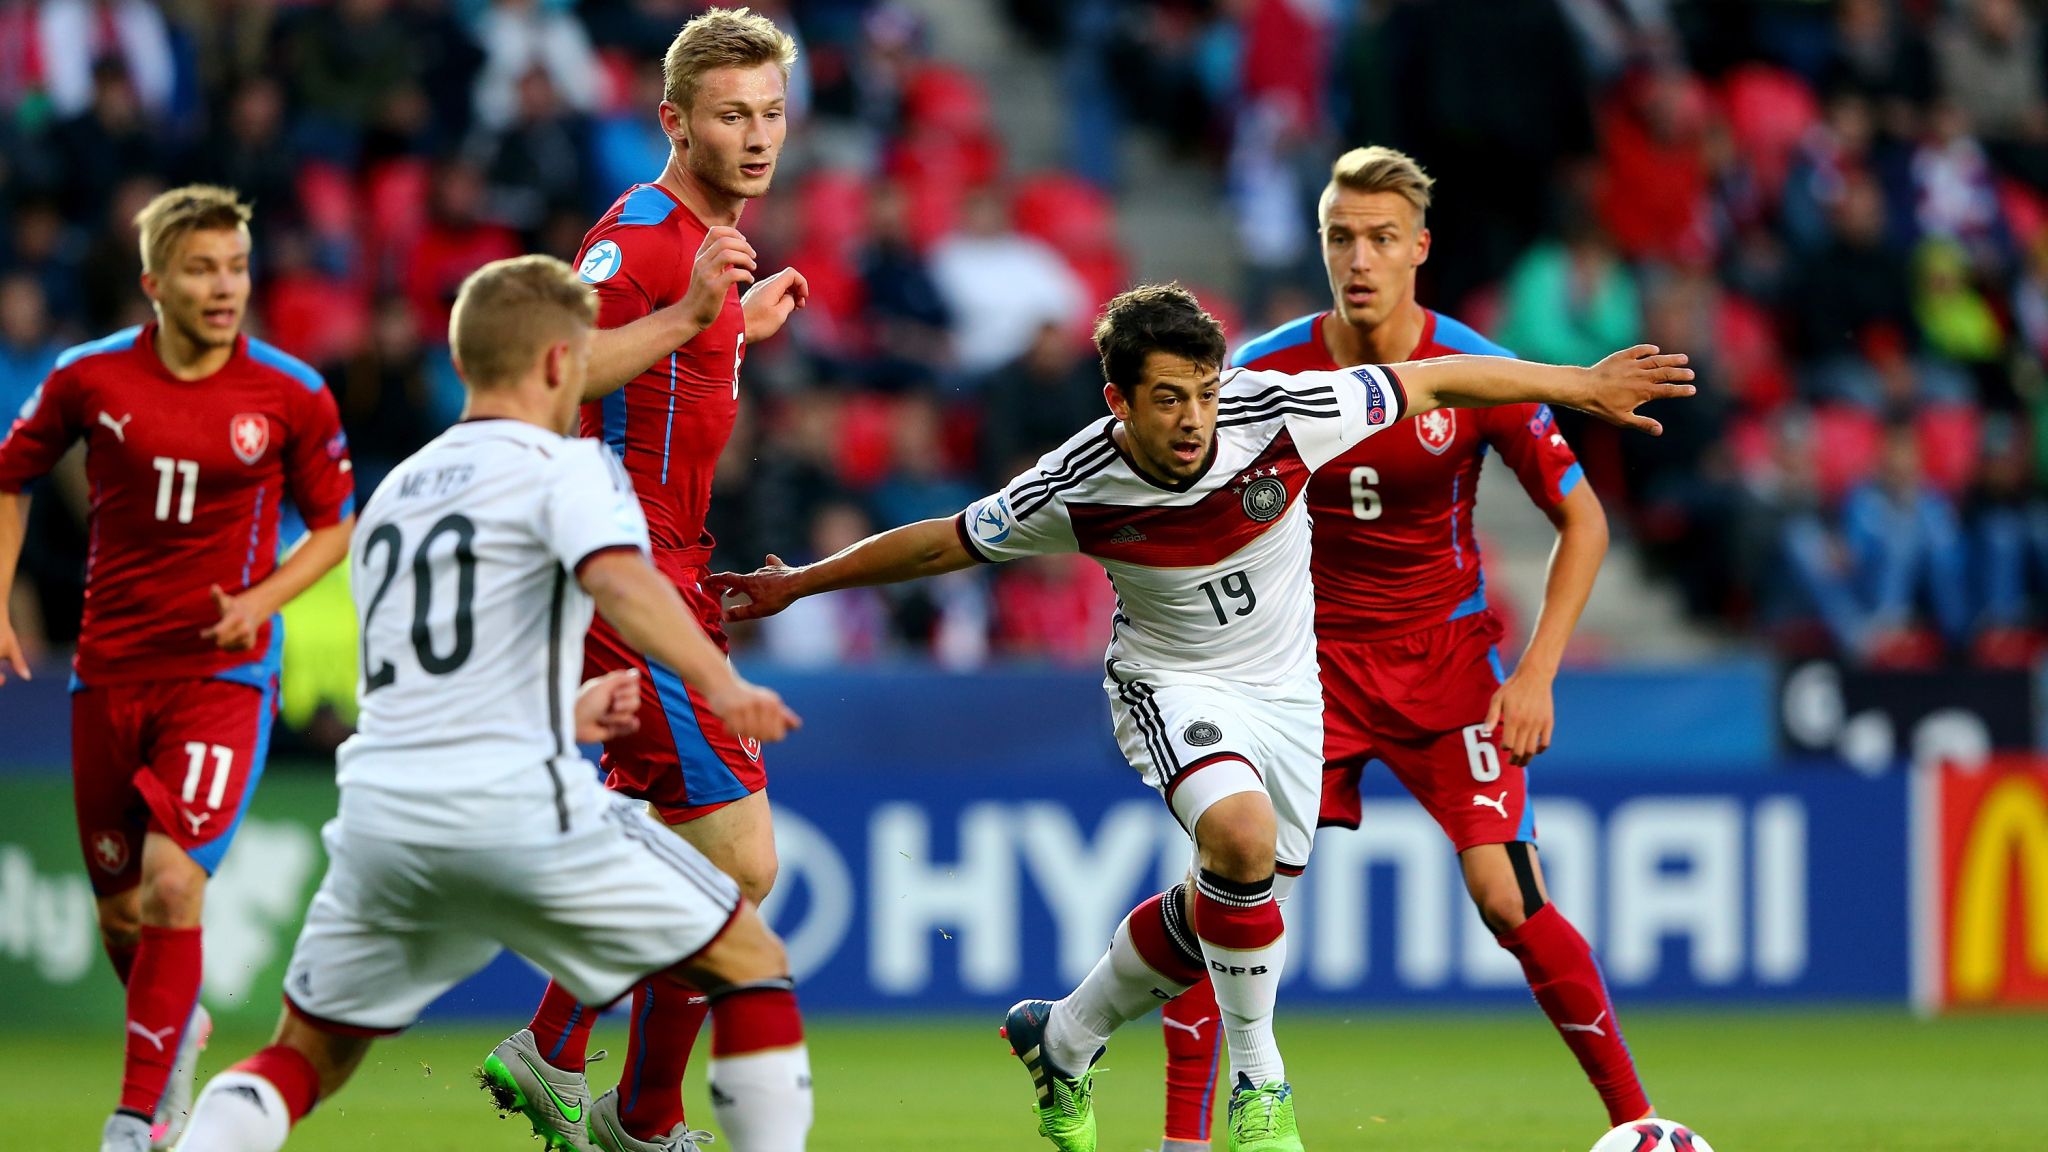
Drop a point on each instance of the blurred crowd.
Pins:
(1840, 207)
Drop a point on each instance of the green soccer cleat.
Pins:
(1262, 1118)
(1066, 1107)
(555, 1102)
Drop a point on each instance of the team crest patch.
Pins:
(1265, 498)
(249, 435)
(1201, 734)
(110, 851)
(1436, 429)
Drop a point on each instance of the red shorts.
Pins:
(179, 757)
(683, 760)
(1416, 703)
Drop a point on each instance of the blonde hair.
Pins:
(509, 310)
(1379, 169)
(165, 221)
(722, 38)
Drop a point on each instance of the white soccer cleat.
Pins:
(556, 1102)
(175, 1109)
(125, 1132)
(612, 1136)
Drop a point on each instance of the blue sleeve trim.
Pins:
(1292, 334)
(119, 342)
(1570, 480)
(646, 205)
(271, 356)
(1462, 337)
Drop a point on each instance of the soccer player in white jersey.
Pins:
(1189, 495)
(468, 821)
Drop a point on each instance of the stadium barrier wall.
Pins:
(935, 883)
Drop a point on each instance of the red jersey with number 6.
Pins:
(187, 477)
(1394, 548)
(669, 424)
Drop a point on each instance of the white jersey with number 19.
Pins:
(463, 568)
(1212, 573)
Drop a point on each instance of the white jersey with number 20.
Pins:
(463, 567)
(1211, 574)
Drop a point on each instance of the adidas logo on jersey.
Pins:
(1128, 534)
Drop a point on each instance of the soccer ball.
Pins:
(1652, 1136)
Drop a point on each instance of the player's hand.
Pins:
(11, 655)
(239, 623)
(768, 589)
(1525, 715)
(723, 260)
(608, 707)
(769, 302)
(1631, 378)
(753, 712)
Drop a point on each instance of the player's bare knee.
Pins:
(1236, 835)
(747, 952)
(1500, 906)
(173, 893)
(756, 875)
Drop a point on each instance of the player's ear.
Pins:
(1422, 248)
(675, 125)
(150, 287)
(1119, 405)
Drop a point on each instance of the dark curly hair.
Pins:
(1155, 318)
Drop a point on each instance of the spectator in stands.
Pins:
(1000, 287)
(921, 484)
(1897, 558)
(627, 144)
(1955, 191)
(1571, 300)
(1032, 404)
(458, 240)
(2030, 298)
(1848, 294)
(1653, 183)
(78, 38)
(534, 165)
(519, 36)
(1054, 608)
(1877, 56)
(1988, 55)
(28, 347)
(2008, 524)
(843, 627)
(1956, 321)
(1833, 151)
(906, 315)
(40, 246)
(247, 150)
(347, 63)
(109, 143)
(231, 41)
(448, 60)
(111, 272)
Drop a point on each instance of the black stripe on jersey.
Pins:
(1277, 394)
(1069, 469)
(555, 694)
(1047, 495)
(1330, 413)
(1317, 398)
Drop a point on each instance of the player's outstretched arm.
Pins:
(243, 614)
(926, 548)
(1612, 389)
(644, 607)
(13, 527)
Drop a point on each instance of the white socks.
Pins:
(763, 1099)
(237, 1112)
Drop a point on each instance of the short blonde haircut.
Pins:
(509, 310)
(1379, 169)
(165, 221)
(722, 38)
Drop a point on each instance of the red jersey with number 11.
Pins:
(1394, 550)
(669, 424)
(186, 476)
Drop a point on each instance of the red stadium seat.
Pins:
(327, 196)
(397, 196)
(315, 318)
(1951, 438)
(1067, 212)
(949, 99)
(1847, 441)
(865, 446)
(834, 209)
(2026, 213)
(1747, 347)
(620, 73)
(1769, 111)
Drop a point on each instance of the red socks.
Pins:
(1165, 940)
(757, 1019)
(561, 1028)
(290, 1073)
(1567, 984)
(666, 1019)
(1194, 1033)
(162, 987)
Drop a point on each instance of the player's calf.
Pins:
(760, 1075)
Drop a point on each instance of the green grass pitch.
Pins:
(1750, 1081)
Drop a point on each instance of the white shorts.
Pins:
(395, 924)
(1196, 743)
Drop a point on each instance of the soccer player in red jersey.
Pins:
(195, 434)
(1411, 675)
(665, 251)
